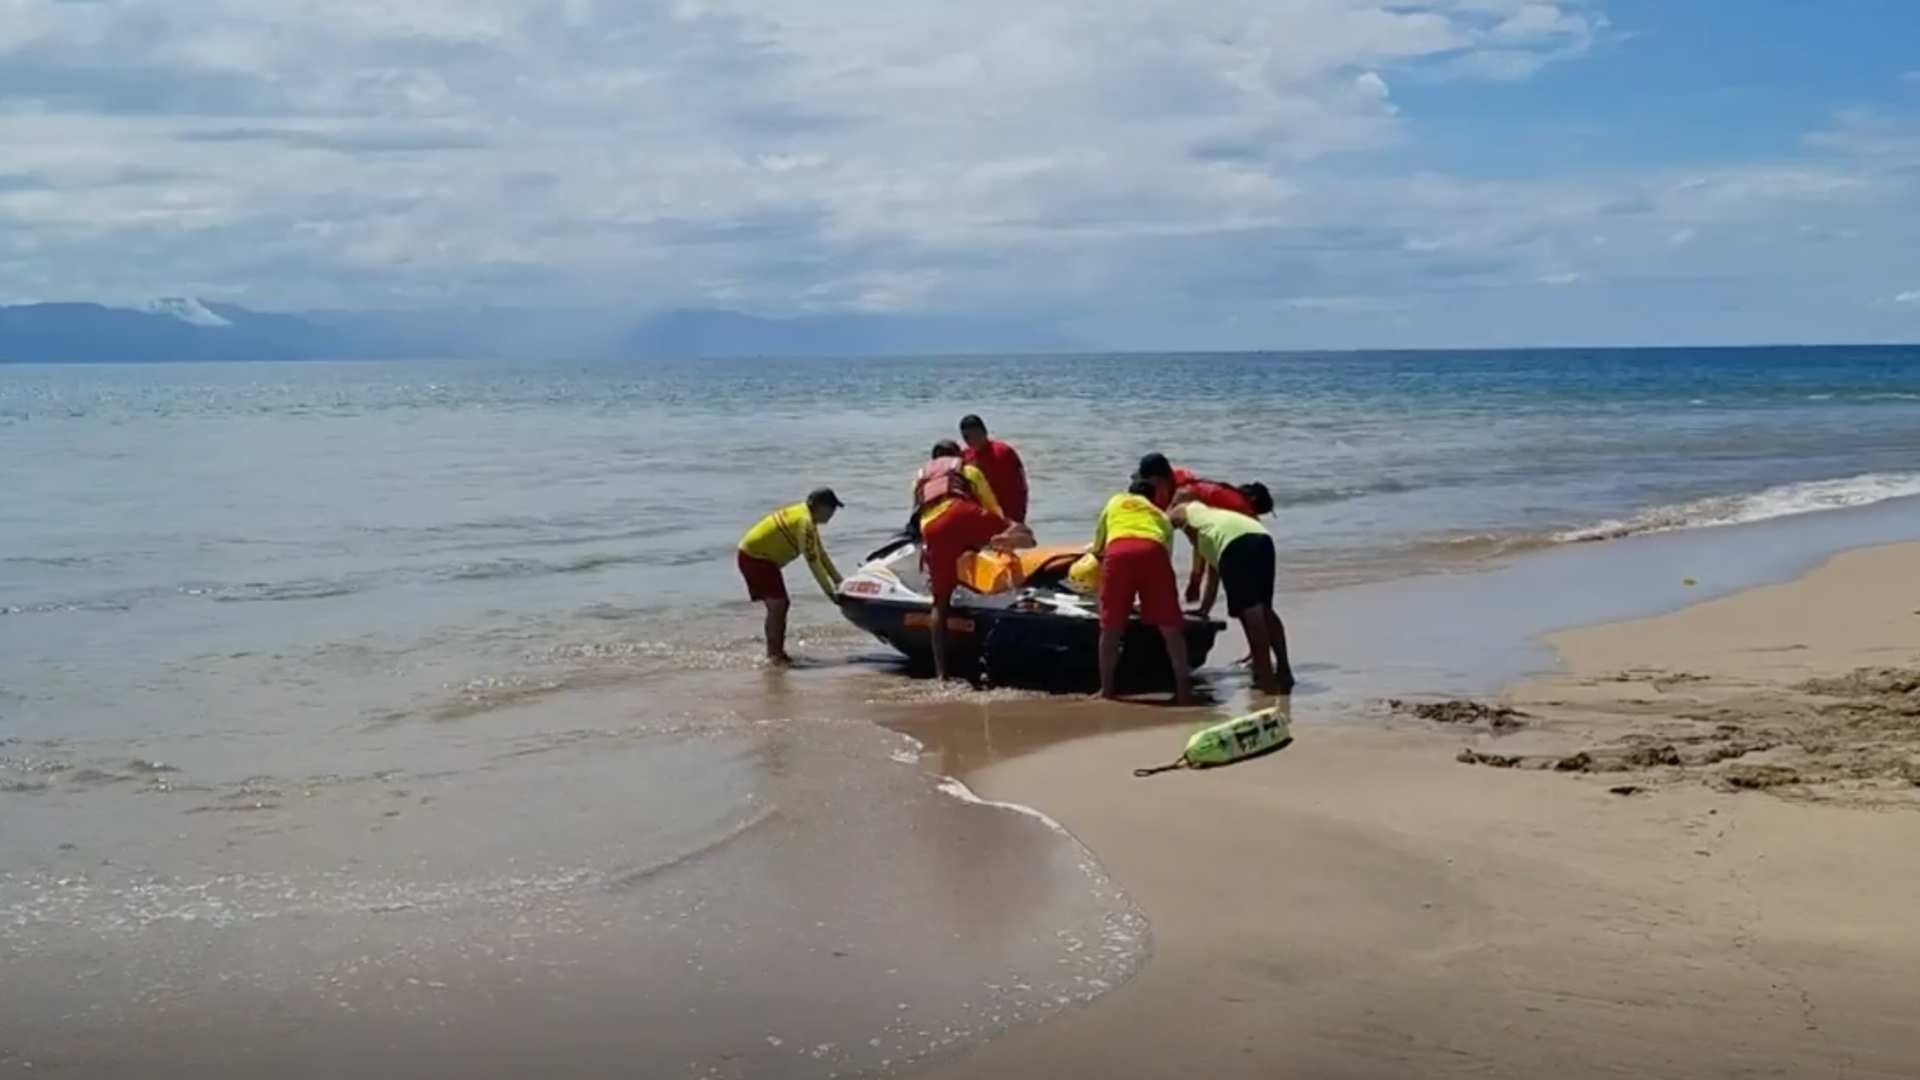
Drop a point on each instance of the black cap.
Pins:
(824, 495)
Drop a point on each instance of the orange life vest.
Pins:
(940, 479)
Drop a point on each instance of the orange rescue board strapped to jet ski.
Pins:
(988, 572)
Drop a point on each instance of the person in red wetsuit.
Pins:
(1169, 480)
(1002, 466)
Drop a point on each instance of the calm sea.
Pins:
(420, 653)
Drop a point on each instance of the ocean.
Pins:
(422, 698)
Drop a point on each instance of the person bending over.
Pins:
(789, 533)
(1134, 542)
(1238, 551)
(1170, 482)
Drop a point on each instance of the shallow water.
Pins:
(421, 698)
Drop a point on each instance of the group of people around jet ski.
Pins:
(974, 497)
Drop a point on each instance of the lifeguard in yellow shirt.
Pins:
(789, 533)
(1134, 543)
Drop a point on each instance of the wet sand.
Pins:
(1365, 904)
(680, 876)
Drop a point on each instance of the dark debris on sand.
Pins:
(1852, 738)
(1869, 683)
(1495, 717)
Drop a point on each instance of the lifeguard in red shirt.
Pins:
(1169, 480)
(1001, 464)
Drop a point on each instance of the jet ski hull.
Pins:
(1042, 636)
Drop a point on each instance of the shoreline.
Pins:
(1379, 908)
(964, 907)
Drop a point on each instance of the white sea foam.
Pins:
(911, 754)
(950, 786)
(1785, 500)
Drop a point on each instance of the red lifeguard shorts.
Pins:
(764, 579)
(961, 528)
(1131, 568)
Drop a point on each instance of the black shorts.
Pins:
(1246, 569)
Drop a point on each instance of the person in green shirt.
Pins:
(789, 533)
(1238, 550)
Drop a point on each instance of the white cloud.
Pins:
(764, 151)
(1870, 134)
(1911, 296)
(1142, 162)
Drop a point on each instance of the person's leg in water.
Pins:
(1176, 638)
(1115, 604)
(1110, 641)
(941, 549)
(1253, 620)
(777, 630)
(1159, 588)
(961, 529)
(1282, 666)
(1247, 568)
(766, 584)
(938, 628)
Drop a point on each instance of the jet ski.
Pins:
(1017, 619)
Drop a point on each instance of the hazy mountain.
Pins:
(186, 329)
(174, 329)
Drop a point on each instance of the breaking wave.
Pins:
(1786, 500)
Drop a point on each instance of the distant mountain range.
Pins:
(186, 329)
(176, 329)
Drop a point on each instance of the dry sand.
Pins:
(1364, 905)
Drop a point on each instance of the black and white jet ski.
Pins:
(1040, 632)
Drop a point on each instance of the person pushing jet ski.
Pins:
(789, 533)
(957, 512)
(1170, 481)
(1134, 543)
(1238, 551)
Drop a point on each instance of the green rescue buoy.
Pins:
(1232, 740)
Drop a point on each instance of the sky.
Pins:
(1134, 173)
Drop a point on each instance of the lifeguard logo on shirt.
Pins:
(861, 588)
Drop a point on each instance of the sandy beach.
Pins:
(1694, 858)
